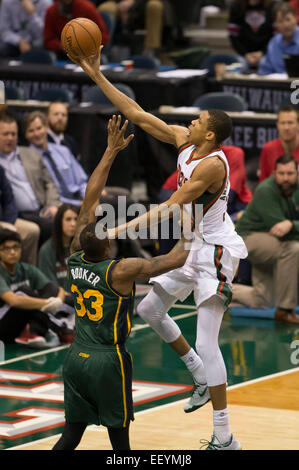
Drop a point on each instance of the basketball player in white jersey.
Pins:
(209, 269)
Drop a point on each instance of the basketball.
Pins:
(81, 38)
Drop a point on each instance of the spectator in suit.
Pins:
(286, 144)
(63, 11)
(29, 231)
(250, 28)
(65, 170)
(270, 228)
(21, 25)
(57, 116)
(285, 42)
(35, 193)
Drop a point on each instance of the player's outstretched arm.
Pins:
(131, 269)
(209, 175)
(175, 135)
(115, 143)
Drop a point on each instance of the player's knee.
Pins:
(143, 308)
(206, 350)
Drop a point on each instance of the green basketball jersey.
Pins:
(103, 316)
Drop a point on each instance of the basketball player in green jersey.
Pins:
(97, 370)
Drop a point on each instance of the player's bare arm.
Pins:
(175, 135)
(97, 181)
(131, 269)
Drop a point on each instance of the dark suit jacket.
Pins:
(42, 184)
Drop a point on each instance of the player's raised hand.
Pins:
(90, 65)
(116, 134)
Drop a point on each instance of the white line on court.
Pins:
(160, 407)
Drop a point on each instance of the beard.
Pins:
(58, 127)
(287, 189)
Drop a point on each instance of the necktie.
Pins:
(63, 187)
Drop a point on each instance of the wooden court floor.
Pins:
(263, 388)
(264, 415)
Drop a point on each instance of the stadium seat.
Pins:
(221, 100)
(145, 62)
(38, 56)
(13, 93)
(210, 61)
(96, 96)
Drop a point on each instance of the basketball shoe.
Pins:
(200, 396)
(214, 444)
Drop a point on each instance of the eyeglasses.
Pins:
(7, 249)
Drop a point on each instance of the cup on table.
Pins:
(127, 64)
(236, 67)
(220, 70)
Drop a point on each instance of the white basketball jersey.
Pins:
(213, 224)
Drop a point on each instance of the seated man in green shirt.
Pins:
(270, 229)
(28, 300)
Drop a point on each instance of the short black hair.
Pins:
(285, 159)
(221, 124)
(93, 246)
(9, 235)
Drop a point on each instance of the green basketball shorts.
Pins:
(98, 385)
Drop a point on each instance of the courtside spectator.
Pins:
(28, 300)
(35, 193)
(57, 116)
(270, 228)
(286, 41)
(21, 25)
(65, 170)
(53, 255)
(250, 28)
(28, 231)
